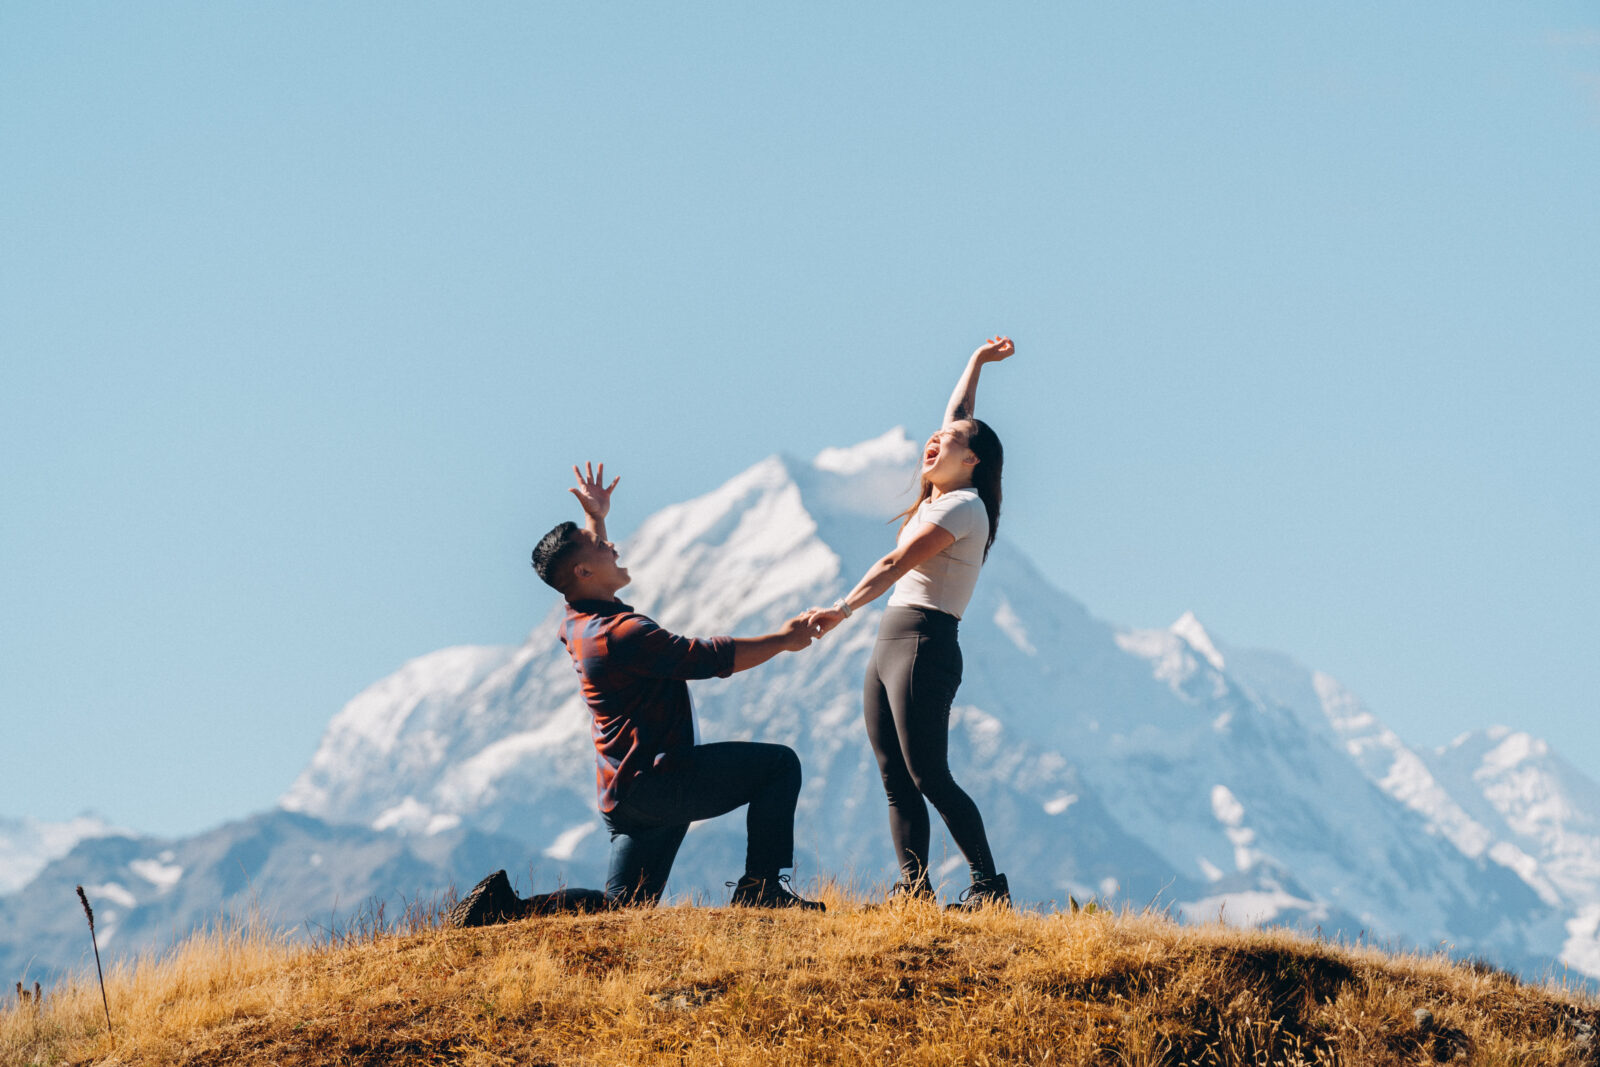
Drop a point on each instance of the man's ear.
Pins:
(582, 572)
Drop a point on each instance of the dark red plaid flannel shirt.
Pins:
(633, 677)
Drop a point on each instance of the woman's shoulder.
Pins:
(962, 498)
(964, 506)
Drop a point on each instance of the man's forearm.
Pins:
(754, 651)
(595, 526)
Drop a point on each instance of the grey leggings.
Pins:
(911, 681)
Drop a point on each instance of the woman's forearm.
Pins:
(964, 401)
(965, 398)
(879, 577)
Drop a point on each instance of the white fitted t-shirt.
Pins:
(945, 582)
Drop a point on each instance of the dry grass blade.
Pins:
(89, 914)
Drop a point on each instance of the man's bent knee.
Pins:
(785, 766)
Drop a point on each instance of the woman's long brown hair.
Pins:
(985, 444)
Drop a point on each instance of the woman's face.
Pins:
(946, 457)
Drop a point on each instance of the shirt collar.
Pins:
(596, 607)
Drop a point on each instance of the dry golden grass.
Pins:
(912, 985)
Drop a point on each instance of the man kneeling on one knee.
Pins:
(653, 778)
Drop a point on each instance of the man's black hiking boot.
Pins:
(490, 901)
(752, 891)
(992, 890)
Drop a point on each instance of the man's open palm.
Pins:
(592, 491)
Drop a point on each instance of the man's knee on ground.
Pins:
(629, 897)
(569, 900)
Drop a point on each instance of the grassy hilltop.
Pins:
(687, 985)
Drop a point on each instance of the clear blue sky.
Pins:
(306, 308)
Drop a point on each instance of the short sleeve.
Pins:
(958, 512)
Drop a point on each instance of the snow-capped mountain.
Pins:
(28, 845)
(1543, 820)
(281, 869)
(1137, 764)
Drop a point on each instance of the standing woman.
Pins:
(916, 663)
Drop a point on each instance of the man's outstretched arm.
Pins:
(648, 649)
(595, 497)
(794, 635)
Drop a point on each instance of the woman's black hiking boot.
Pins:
(911, 891)
(991, 890)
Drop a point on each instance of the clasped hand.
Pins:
(808, 626)
(824, 619)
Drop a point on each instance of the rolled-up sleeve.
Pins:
(645, 648)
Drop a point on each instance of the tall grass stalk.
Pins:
(88, 911)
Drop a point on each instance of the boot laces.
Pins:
(768, 887)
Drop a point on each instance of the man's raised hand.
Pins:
(592, 492)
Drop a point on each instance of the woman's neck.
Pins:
(941, 490)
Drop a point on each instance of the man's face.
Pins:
(599, 558)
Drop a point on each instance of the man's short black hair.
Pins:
(552, 553)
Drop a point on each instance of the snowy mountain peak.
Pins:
(1189, 628)
(893, 449)
(28, 845)
(1493, 749)
(1513, 749)
(871, 480)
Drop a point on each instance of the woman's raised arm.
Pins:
(965, 398)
